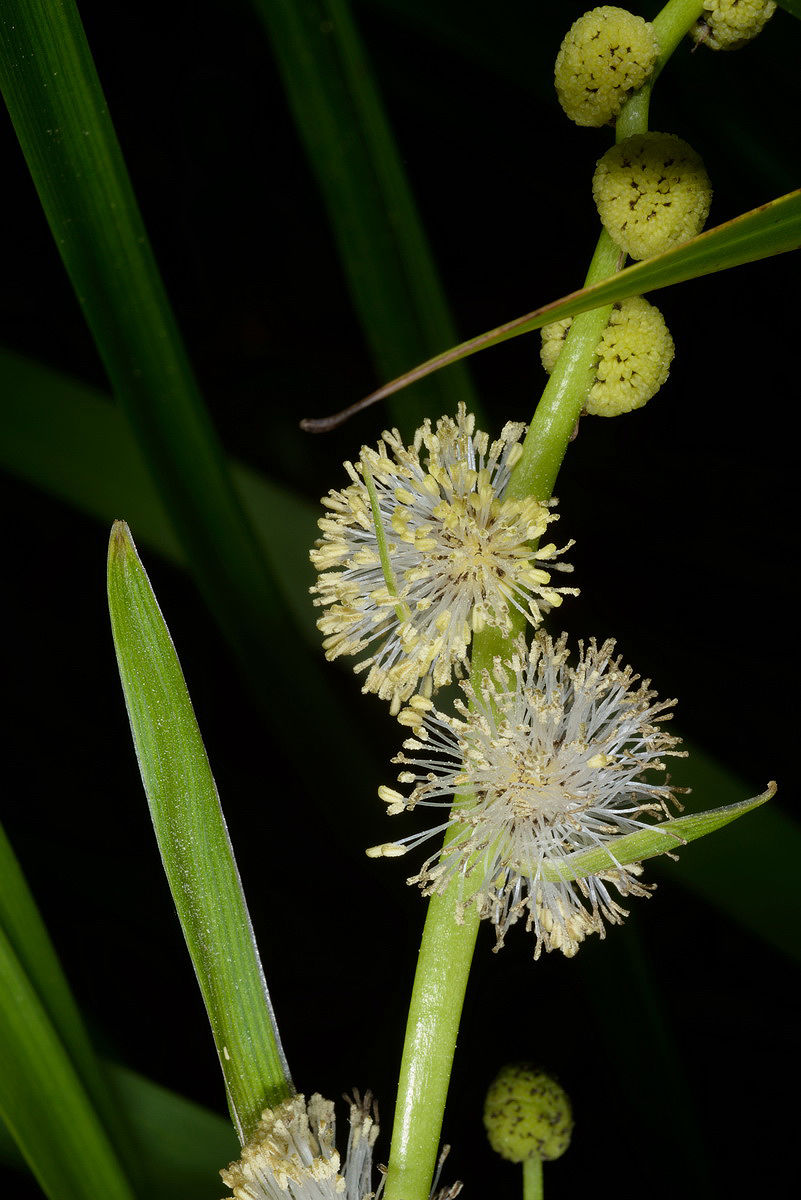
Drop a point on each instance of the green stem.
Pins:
(443, 964)
(670, 25)
(446, 953)
(532, 1179)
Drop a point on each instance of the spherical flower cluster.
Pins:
(652, 193)
(527, 1114)
(634, 357)
(293, 1156)
(457, 555)
(544, 760)
(729, 24)
(607, 54)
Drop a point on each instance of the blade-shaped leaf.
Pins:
(195, 848)
(43, 1101)
(647, 843)
(63, 125)
(773, 228)
(351, 149)
(791, 6)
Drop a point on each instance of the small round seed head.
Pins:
(652, 193)
(607, 54)
(729, 24)
(634, 357)
(527, 1114)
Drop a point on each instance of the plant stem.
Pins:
(443, 964)
(532, 1179)
(446, 953)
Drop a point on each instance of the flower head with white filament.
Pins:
(423, 548)
(543, 760)
(293, 1156)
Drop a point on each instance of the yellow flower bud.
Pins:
(634, 357)
(607, 54)
(652, 193)
(527, 1114)
(729, 24)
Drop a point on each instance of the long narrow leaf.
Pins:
(378, 231)
(43, 1101)
(194, 844)
(647, 843)
(773, 228)
(60, 116)
(27, 938)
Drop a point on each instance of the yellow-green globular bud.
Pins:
(527, 1114)
(652, 193)
(607, 54)
(729, 24)
(634, 357)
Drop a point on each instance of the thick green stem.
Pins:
(532, 1179)
(446, 950)
(446, 953)
(566, 391)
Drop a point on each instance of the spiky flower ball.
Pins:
(652, 193)
(544, 759)
(458, 555)
(607, 54)
(634, 357)
(527, 1114)
(293, 1156)
(729, 24)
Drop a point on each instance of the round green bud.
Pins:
(729, 24)
(652, 193)
(634, 357)
(607, 54)
(527, 1114)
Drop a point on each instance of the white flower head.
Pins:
(459, 555)
(543, 760)
(293, 1156)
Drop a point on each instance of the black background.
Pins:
(684, 516)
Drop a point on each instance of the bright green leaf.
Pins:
(192, 836)
(647, 843)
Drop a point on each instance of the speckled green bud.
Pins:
(527, 1114)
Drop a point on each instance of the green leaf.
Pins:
(773, 228)
(42, 1098)
(646, 843)
(195, 848)
(27, 938)
(381, 241)
(791, 6)
(62, 122)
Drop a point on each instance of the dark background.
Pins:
(676, 1035)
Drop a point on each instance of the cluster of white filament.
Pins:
(293, 1155)
(544, 760)
(457, 555)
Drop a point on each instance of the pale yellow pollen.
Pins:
(386, 850)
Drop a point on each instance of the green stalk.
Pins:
(532, 1179)
(441, 980)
